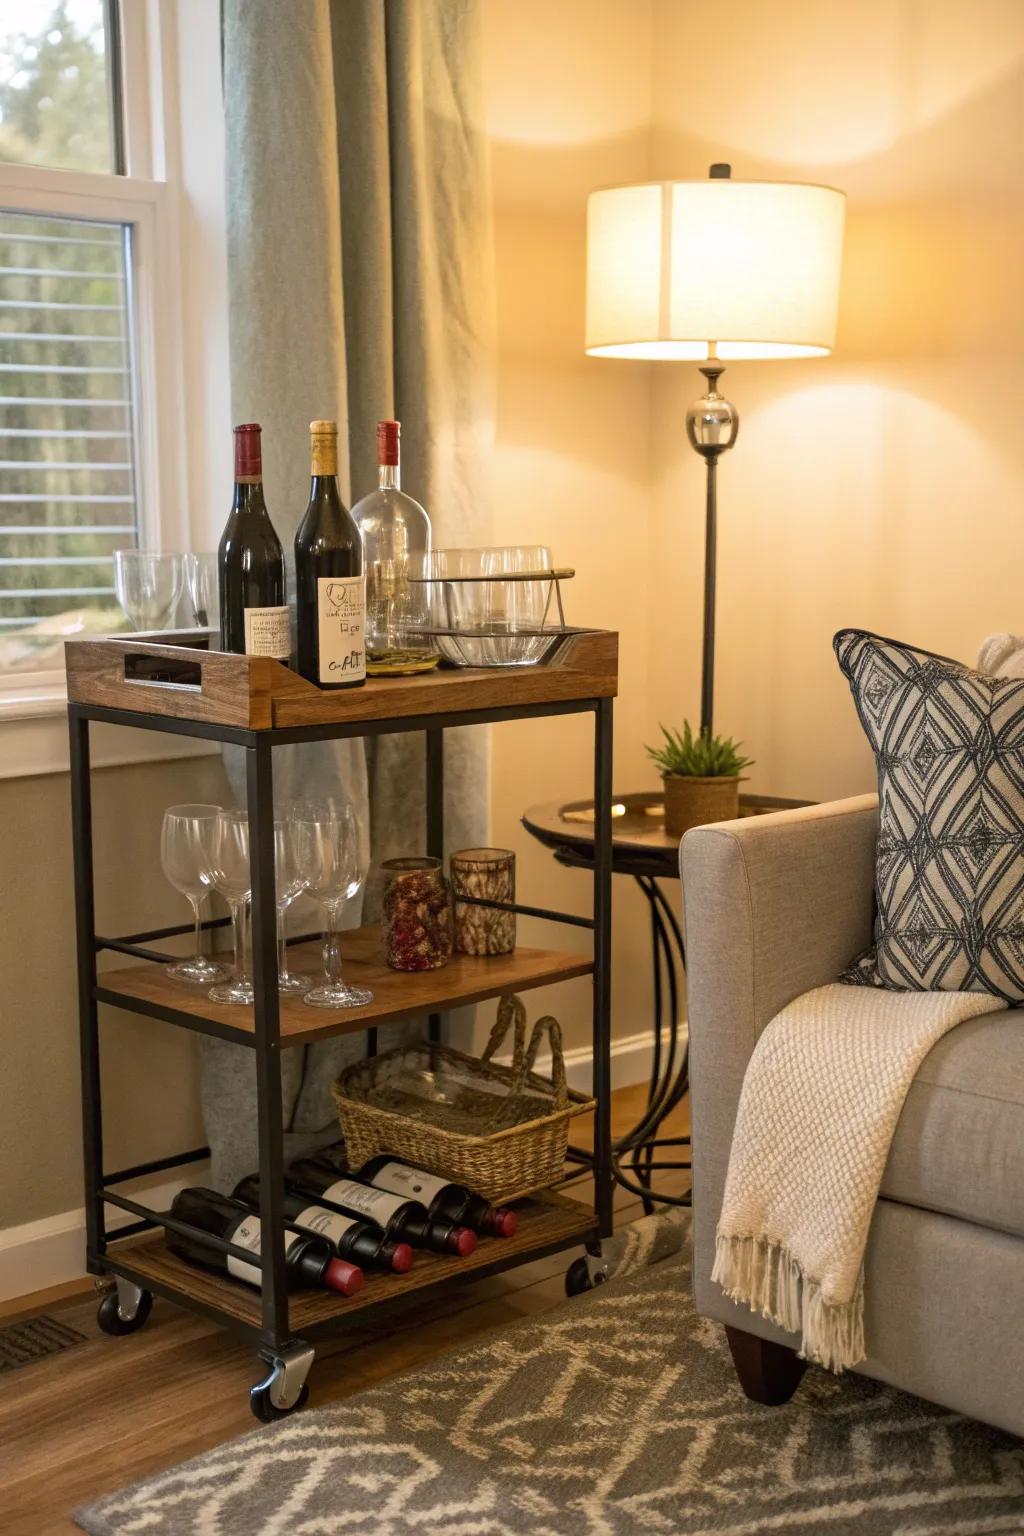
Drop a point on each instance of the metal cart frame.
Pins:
(286, 1351)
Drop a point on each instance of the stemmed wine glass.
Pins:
(201, 583)
(185, 854)
(288, 882)
(148, 585)
(332, 868)
(229, 874)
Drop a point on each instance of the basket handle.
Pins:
(510, 1008)
(549, 1026)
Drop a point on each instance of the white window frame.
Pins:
(147, 199)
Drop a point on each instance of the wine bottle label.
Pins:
(268, 632)
(341, 624)
(331, 1224)
(409, 1182)
(247, 1235)
(377, 1204)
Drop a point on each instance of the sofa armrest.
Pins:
(773, 906)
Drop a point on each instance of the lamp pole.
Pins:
(711, 425)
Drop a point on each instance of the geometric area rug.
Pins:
(613, 1414)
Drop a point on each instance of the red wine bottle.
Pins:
(361, 1242)
(310, 1260)
(329, 582)
(250, 563)
(444, 1201)
(403, 1220)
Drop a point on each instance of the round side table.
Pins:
(642, 848)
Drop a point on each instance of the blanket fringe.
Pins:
(764, 1275)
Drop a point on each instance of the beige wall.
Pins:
(150, 1069)
(882, 486)
(879, 487)
(568, 94)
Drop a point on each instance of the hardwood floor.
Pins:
(110, 1411)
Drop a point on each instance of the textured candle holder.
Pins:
(486, 874)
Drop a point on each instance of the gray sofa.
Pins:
(775, 905)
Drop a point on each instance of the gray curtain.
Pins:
(360, 277)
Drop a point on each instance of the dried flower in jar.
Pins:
(417, 915)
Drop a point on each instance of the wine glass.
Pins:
(202, 585)
(185, 853)
(327, 853)
(148, 585)
(229, 874)
(288, 882)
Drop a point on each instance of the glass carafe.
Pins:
(395, 531)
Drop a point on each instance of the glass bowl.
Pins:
(491, 622)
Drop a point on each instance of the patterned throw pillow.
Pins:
(949, 870)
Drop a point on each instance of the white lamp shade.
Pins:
(750, 266)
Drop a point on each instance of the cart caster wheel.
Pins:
(579, 1278)
(124, 1310)
(266, 1409)
(283, 1390)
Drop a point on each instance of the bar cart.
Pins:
(181, 686)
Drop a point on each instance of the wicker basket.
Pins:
(501, 1130)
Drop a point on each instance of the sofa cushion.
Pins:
(959, 1144)
(949, 873)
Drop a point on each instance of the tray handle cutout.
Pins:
(163, 671)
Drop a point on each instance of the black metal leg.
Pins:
(603, 1182)
(88, 1012)
(669, 1078)
(259, 777)
(435, 826)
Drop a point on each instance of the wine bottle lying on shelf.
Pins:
(360, 1242)
(403, 1220)
(444, 1201)
(310, 1260)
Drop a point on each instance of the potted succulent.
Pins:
(701, 775)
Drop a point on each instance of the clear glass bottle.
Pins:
(396, 546)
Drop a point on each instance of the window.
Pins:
(67, 472)
(58, 103)
(89, 383)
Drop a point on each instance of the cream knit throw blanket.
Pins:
(819, 1106)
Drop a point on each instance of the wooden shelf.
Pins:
(181, 677)
(547, 1223)
(396, 994)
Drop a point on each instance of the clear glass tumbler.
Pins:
(148, 586)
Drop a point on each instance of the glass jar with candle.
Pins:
(485, 874)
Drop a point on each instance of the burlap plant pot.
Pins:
(693, 802)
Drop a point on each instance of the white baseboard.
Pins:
(631, 1061)
(52, 1251)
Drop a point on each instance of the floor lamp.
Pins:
(711, 271)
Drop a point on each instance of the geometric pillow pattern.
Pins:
(949, 869)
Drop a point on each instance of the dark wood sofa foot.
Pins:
(769, 1373)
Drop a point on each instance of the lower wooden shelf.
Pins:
(547, 1223)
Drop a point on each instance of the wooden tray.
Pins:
(179, 675)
